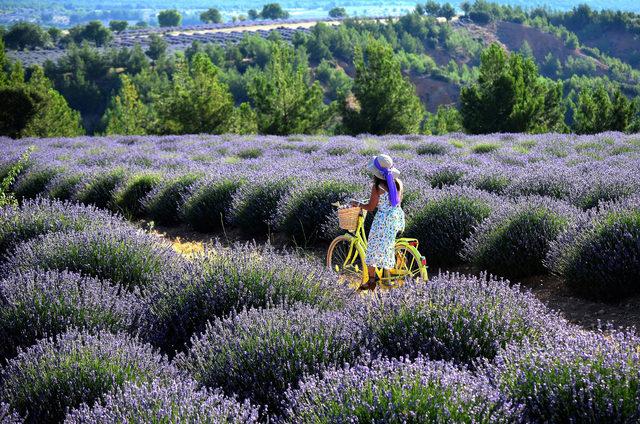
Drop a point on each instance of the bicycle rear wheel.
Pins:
(409, 263)
(346, 258)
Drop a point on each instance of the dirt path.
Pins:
(549, 289)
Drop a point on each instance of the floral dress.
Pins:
(387, 223)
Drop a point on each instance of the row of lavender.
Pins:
(514, 205)
(175, 42)
(102, 322)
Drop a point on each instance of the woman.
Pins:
(386, 195)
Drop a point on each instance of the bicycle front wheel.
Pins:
(346, 257)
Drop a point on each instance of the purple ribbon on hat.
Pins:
(391, 183)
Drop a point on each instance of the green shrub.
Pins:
(129, 198)
(600, 258)
(207, 208)
(482, 148)
(446, 220)
(163, 204)
(35, 182)
(432, 148)
(101, 188)
(307, 210)
(251, 153)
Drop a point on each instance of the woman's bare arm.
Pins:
(373, 201)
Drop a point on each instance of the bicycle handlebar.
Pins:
(347, 204)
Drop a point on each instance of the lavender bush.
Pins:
(160, 402)
(34, 182)
(36, 217)
(599, 257)
(433, 148)
(455, 318)
(100, 189)
(398, 391)
(584, 170)
(7, 416)
(254, 205)
(163, 204)
(445, 175)
(576, 376)
(54, 375)
(557, 183)
(35, 304)
(514, 241)
(257, 354)
(129, 197)
(446, 220)
(122, 255)
(206, 208)
(306, 210)
(65, 187)
(606, 185)
(222, 280)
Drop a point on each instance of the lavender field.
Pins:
(102, 321)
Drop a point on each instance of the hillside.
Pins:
(511, 36)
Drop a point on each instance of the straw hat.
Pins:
(385, 161)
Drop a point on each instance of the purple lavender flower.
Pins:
(258, 353)
(454, 317)
(598, 257)
(206, 205)
(222, 280)
(398, 391)
(574, 376)
(514, 241)
(7, 416)
(35, 304)
(46, 379)
(160, 401)
(442, 219)
(35, 217)
(124, 256)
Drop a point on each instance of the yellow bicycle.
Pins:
(346, 254)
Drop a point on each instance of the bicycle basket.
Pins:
(348, 218)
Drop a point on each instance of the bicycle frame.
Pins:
(359, 243)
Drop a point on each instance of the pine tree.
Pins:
(126, 115)
(198, 102)
(446, 120)
(35, 108)
(3, 64)
(157, 47)
(622, 112)
(510, 96)
(243, 121)
(383, 100)
(596, 112)
(284, 98)
(585, 114)
(54, 117)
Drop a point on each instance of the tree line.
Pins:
(509, 96)
(268, 86)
